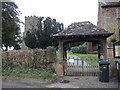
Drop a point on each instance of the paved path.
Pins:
(23, 83)
(74, 82)
(84, 82)
(70, 57)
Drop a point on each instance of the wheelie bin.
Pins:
(104, 71)
(118, 68)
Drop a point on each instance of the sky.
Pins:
(65, 11)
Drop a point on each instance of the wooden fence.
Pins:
(82, 67)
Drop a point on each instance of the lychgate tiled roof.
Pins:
(111, 4)
(83, 29)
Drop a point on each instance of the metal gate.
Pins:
(82, 67)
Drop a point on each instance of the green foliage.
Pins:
(113, 39)
(76, 44)
(52, 49)
(37, 64)
(30, 40)
(92, 62)
(42, 37)
(10, 25)
(80, 49)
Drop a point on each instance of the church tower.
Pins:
(30, 23)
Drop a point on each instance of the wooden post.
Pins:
(103, 48)
(60, 52)
(99, 51)
(64, 60)
(60, 59)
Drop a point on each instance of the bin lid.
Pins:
(104, 62)
(117, 60)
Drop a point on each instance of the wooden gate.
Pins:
(82, 67)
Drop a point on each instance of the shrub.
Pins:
(51, 48)
(75, 49)
(82, 49)
(23, 59)
(113, 39)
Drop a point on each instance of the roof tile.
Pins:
(82, 28)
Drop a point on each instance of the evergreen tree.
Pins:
(43, 35)
(30, 40)
(11, 35)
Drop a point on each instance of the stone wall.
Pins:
(45, 59)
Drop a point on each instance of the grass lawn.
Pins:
(29, 73)
(92, 62)
(84, 55)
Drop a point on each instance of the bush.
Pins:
(82, 49)
(51, 48)
(113, 39)
(23, 59)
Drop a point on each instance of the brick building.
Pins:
(109, 17)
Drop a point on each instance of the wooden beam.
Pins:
(60, 52)
(82, 39)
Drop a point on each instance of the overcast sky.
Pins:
(66, 11)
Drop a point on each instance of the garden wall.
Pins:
(44, 59)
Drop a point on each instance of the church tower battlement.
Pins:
(30, 22)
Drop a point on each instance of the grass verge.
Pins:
(84, 55)
(30, 73)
